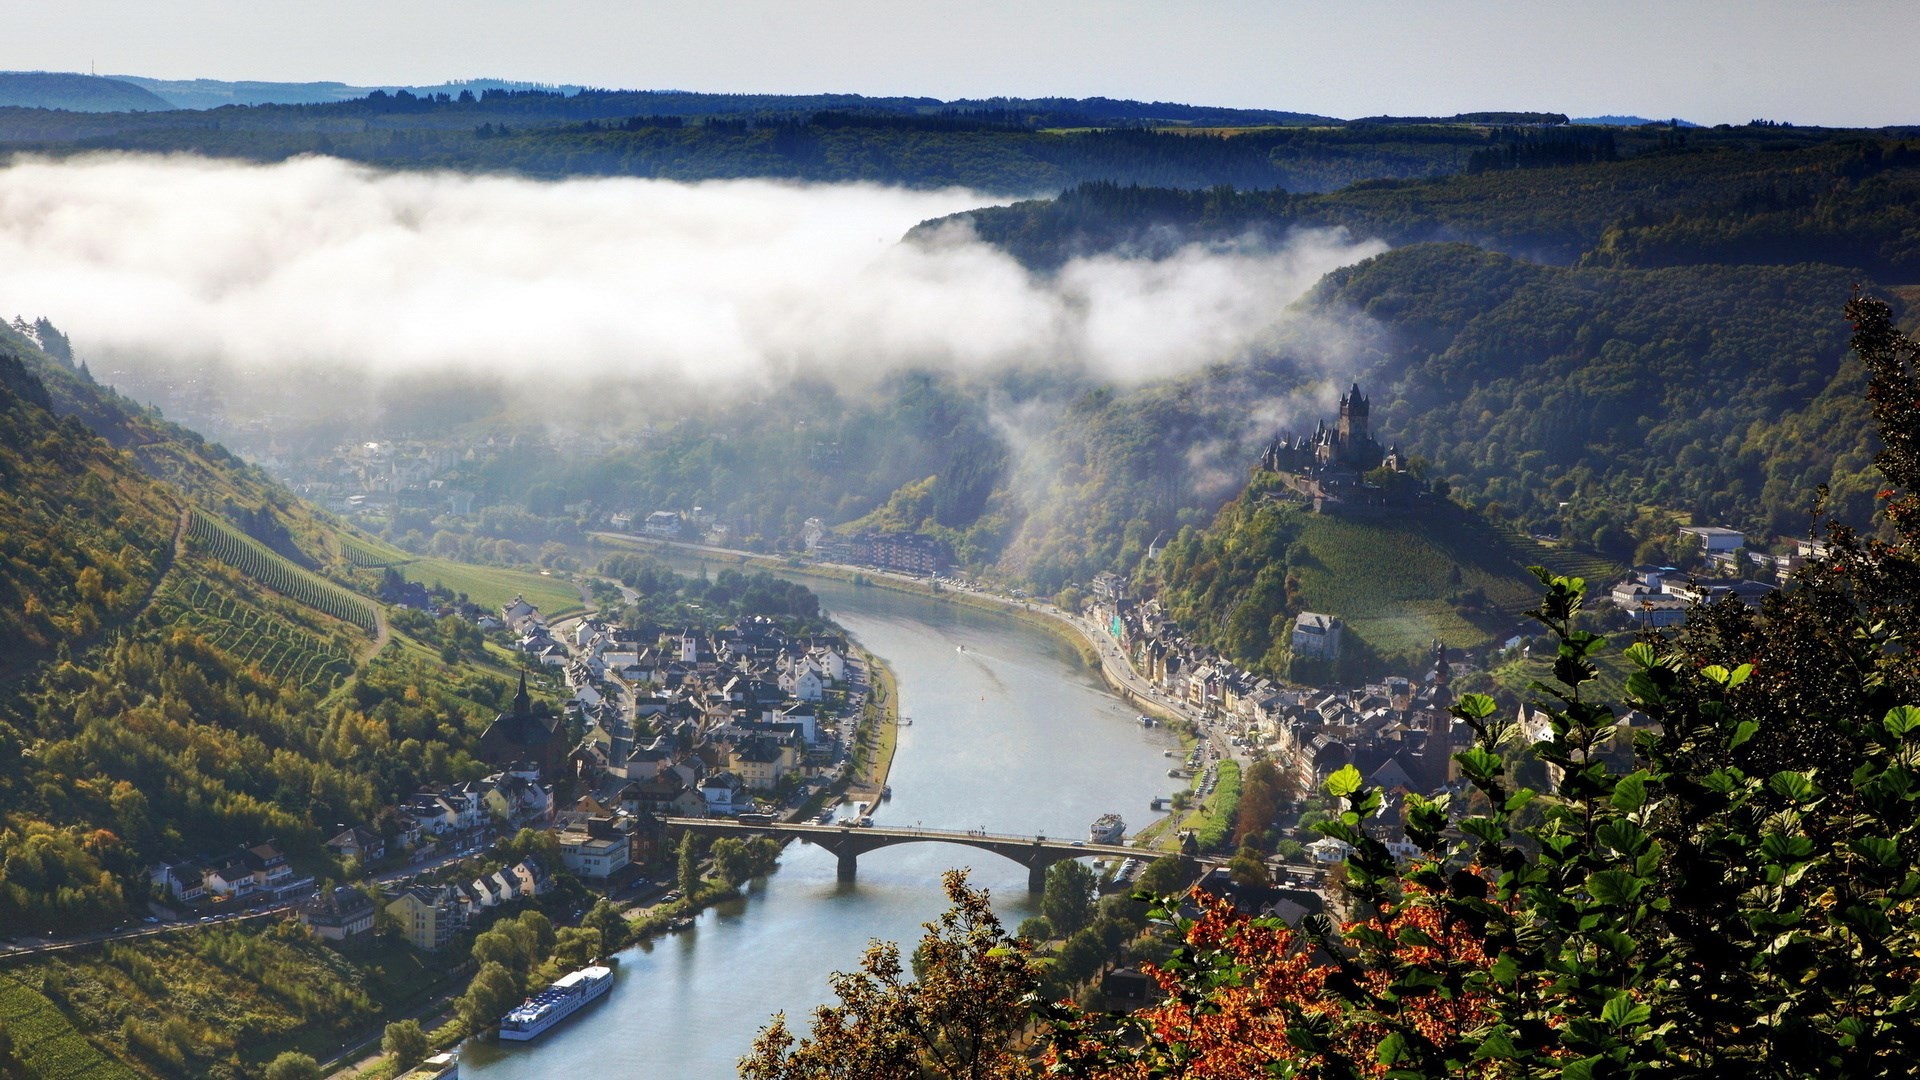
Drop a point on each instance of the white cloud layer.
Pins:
(317, 262)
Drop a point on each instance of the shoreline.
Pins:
(1039, 614)
(880, 718)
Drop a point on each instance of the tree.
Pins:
(293, 1066)
(689, 864)
(1248, 868)
(1162, 876)
(609, 926)
(1067, 901)
(405, 1043)
(730, 862)
(492, 992)
(1261, 793)
(958, 1020)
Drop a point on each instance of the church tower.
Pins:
(1353, 417)
(522, 704)
(1439, 750)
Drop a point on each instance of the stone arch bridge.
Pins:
(849, 842)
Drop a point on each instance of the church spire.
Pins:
(522, 705)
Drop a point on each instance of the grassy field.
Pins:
(1389, 579)
(882, 723)
(493, 586)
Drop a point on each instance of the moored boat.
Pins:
(1107, 829)
(566, 996)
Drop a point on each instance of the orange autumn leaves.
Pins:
(1253, 998)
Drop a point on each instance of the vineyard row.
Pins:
(275, 572)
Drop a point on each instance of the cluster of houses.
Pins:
(513, 798)
(1397, 732)
(1659, 596)
(383, 475)
(428, 916)
(250, 874)
(701, 722)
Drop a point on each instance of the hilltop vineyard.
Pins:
(254, 560)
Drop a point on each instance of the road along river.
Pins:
(1010, 732)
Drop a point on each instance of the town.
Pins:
(724, 722)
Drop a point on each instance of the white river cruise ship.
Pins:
(555, 1003)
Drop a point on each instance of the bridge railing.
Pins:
(896, 830)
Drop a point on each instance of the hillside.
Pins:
(75, 93)
(1399, 579)
(1571, 400)
(1733, 196)
(193, 663)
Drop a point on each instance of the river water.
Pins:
(1009, 732)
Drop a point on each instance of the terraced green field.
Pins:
(366, 551)
(46, 1040)
(275, 646)
(266, 567)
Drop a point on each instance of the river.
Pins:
(1010, 733)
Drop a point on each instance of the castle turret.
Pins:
(1353, 417)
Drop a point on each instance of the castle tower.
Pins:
(1353, 417)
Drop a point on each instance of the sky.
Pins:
(1828, 62)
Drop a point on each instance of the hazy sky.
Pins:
(1838, 62)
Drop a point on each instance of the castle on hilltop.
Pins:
(1328, 468)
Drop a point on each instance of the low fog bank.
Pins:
(317, 265)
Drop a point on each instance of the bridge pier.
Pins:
(1037, 876)
(848, 862)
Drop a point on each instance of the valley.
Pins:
(416, 500)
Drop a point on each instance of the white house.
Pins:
(831, 664)
(597, 850)
(181, 880)
(725, 794)
(1329, 850)
(1316, 636)
(803, 682)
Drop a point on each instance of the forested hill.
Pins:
(1017, 146)
(1573, 398)
(1721, 197)
(75, 93)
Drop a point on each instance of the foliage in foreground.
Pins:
(1746, 899)
(958, 1018)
